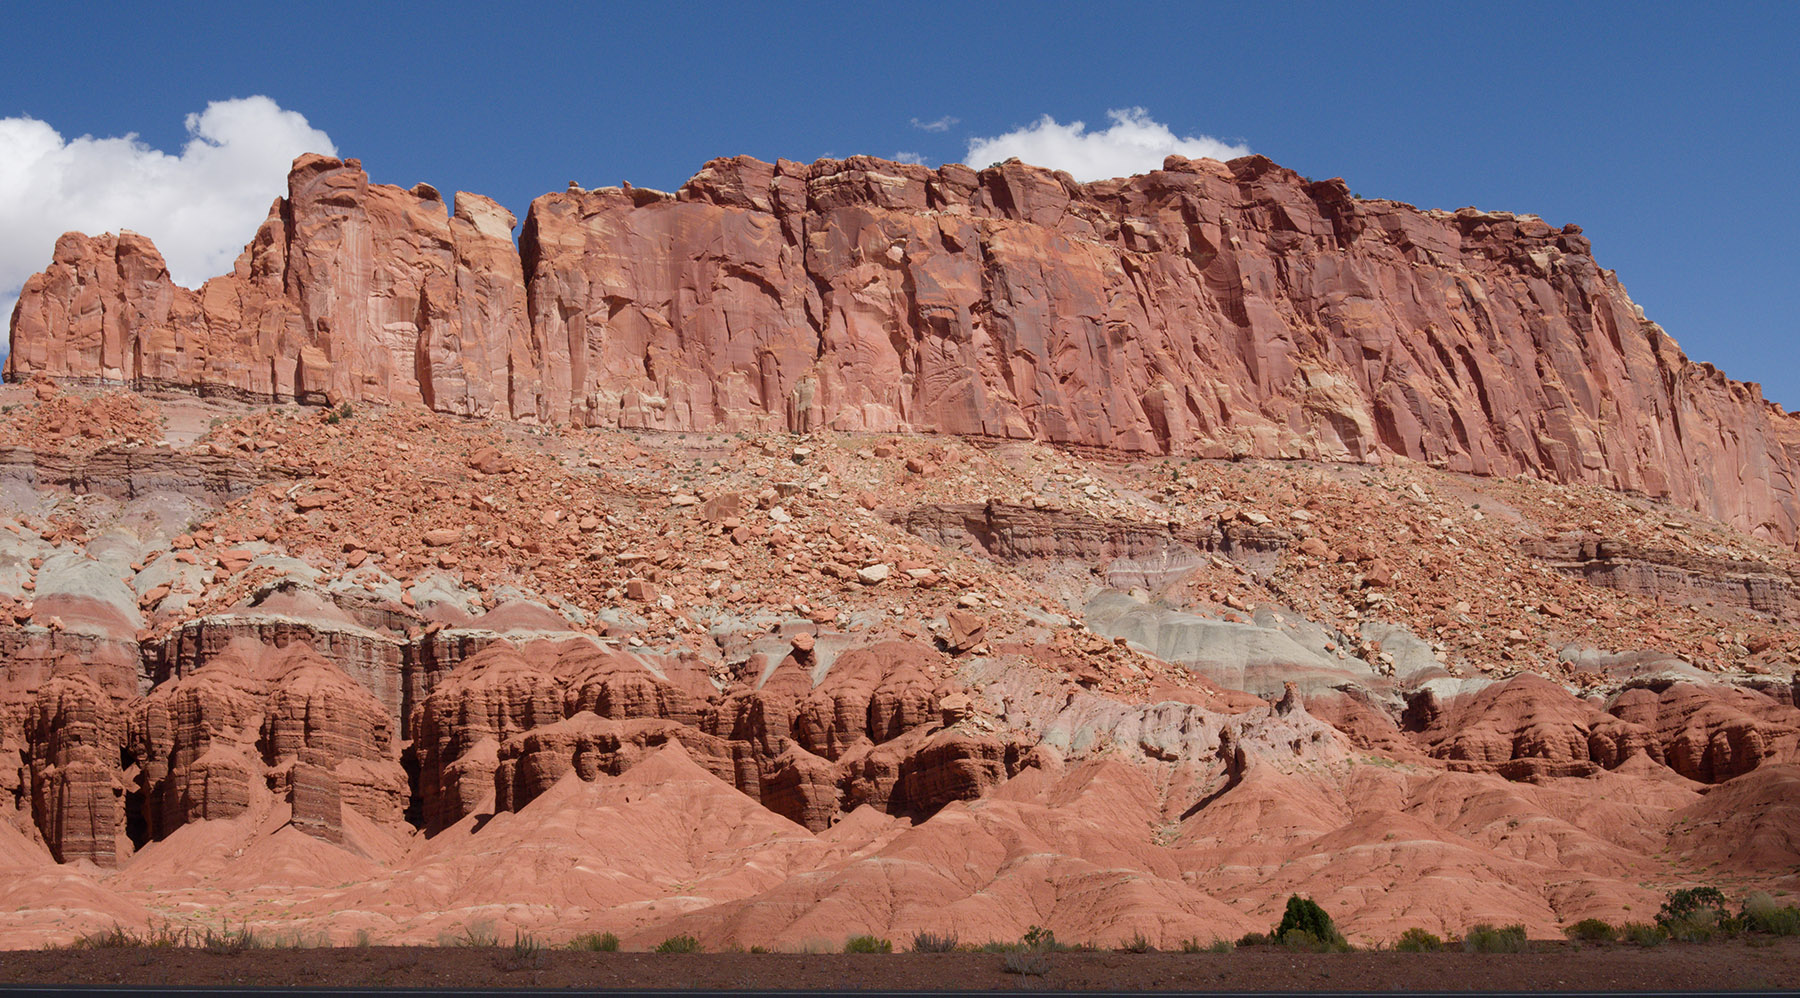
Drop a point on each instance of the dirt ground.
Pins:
(1549, 966)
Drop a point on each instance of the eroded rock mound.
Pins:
(261, 722)
(1528, 728)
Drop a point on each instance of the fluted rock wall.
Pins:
(1206, 309)
(77, 792)
(509, 723)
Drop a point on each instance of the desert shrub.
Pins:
(477, 934)
(1703, 926)
(291, 939)
(1138, 943)
(931, 942)
(596, 942)
(1029, 962)
(117, 937)
(679, 944)
(1038, 937)
(1305, 915)
(526, 953)
(228, 941)
(1592, 930)
(1643, 934)
(1301, 939)
(867, 944)
(159, 935)
(1484, 938)
(1254, 939)
(1691, 901)
(1216, 946)
(759, 949)
(1417, 940)
(1762, 914)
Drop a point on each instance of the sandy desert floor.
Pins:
(1547, 967)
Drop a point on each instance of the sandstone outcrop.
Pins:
(1206, 309)
(1133, 554)
(77, 793)
(1528, 728)
(1672, 576)
(260, 722)
(508, 723)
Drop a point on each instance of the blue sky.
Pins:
(1666, 130)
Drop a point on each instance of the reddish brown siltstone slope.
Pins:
(1205, 309)
(406, 676)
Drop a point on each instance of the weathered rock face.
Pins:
(258, 723)
(509, 722)
(1528, 728)
(77, 795)
(1670, 575)
(1134, 554)
(1206, 309)
(348, 291)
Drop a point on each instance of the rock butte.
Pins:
(1207, 309)
(993, 644)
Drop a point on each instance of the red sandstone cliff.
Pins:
(1208, 309)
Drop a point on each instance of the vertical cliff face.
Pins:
(349, 291)
(1204, 309)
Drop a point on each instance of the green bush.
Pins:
(867, 944)
(1305, 913)
(1643, 934)
(1592, 930)
(1484, 938)
(931, 942)
(1416, 940)
(1691, 901)
(1038, 937)
(679, 944)
(1304, 925)
(596, 942)
(1301, 939)
(1254, 939)
(1762, 914)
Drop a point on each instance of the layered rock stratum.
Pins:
(1206, 309)
(857, 548)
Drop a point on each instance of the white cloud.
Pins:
(1136, 143)
(936, 125)
(200, 207)
(908, 157)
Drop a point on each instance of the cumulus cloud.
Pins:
(200, 207)
(908, 157)
(1136, 143)
(936, 125)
